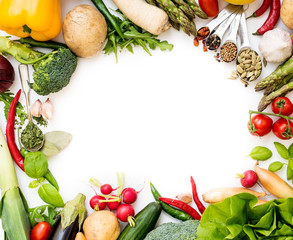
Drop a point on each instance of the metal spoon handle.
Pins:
(224, 26)
(242, 32)
(24, 78)
(234, 27)
(223, 15)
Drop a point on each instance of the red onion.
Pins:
(6, 74)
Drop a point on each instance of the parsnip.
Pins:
(148, 17)
(273, 183)
(219, 194)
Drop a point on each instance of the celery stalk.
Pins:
(15, 221)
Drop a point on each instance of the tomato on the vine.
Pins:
(282, 129)
(284, 102)
(41, 231)
(260, 125)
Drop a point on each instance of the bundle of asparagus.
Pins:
(181, 13)
(278, 83)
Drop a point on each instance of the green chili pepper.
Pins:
(176, 213)
(46, 44)
(104, 10)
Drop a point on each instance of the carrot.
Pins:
(148, 17)
(219, 194)
(80, 236)
(273, 183)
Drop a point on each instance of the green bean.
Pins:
(47, 44)
(176, 213)
(104, 10)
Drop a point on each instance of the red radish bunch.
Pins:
(96, 204)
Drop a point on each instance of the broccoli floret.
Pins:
(175, 231)
(54, 72)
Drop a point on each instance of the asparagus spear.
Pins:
(152, 2)
(281, 72)
(278, 84)
(266, 100)
(196, 9)
(185, 8)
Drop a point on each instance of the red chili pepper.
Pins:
(204, 46)
(265, 5)
(198, 203)
(183, 206)
(15, 153)
(272, 18)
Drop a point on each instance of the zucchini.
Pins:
(145, 222)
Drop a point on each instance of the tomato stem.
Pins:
(271, 114)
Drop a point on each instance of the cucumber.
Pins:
(145, 221)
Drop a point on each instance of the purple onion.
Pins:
(6, 74)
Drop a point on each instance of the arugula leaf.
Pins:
(38, 214)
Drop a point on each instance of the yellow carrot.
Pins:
(273, 183)
(219, 194)
(80, 236)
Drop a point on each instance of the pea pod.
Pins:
(176, 213)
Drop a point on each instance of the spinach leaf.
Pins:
(35, 164)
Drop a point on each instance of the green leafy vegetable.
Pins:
(50, 195)
(35, 164)
(260, 153)
(34, 184)
(282, 150)
(42, 213)
(133, 36)
(276, 166)
(237, 218)
(290, 149)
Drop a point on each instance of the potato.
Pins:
(101, 225)
(287, 13)
(84, 30)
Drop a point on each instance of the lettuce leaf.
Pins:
(237, 218)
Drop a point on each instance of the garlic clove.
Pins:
(185, 197)
(47, 109)
(36, 108)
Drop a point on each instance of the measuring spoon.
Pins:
(204, 32)
(24, 77)
(213, 42)
(248, 63)
(229, 49)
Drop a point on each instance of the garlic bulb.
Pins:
(47, 109)
(185, 197)
(36, 108)
(276, 45)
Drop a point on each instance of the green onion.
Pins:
(15, 221)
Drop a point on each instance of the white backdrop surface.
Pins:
(159, 118)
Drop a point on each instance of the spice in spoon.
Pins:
(213, 42)
(228, 51)
(31, 137)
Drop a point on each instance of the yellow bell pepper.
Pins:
(40, 19)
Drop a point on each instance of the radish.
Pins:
(129, 195)
(113, 205)
(96, 204)
(125, 213)
(248, 179)
(106, 189)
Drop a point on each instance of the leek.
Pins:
(15, 221)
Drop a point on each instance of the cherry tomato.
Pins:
(260, 125)
(285, 102)
(282, 130)
(41, 231)
(210, 7)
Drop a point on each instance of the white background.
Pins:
(159, 118)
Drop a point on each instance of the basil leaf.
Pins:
(290, 149)
(260, 153)
(35, 164)
(276, 166)
(289, 173)
(50, 195)
(282, 150)
(34, 184)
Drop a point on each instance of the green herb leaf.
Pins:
(50, 195)
(289, 172)
(34, 184)
(35, 164)
(282, 150)
(38, 214)
(260, 153)
(290, 149)
(276, 166)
